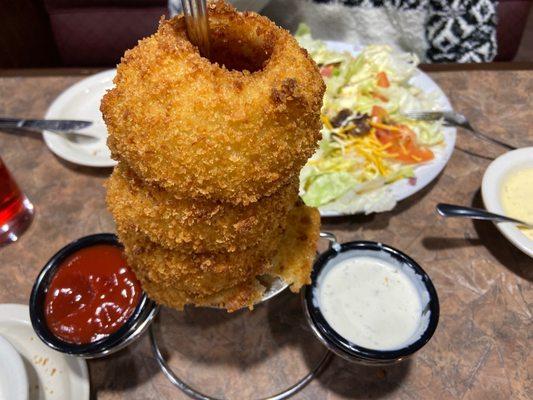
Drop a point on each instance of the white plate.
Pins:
(13, 377)
(491, 187)
(81, 101)
(424, 173)
(51, 375)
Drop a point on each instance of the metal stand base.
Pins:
(195, 394)
(276, 287)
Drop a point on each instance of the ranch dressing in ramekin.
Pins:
(371, 302)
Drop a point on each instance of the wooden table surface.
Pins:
(482, 348)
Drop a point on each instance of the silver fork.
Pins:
(197, 24)
(452, 118)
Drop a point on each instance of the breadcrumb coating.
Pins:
(195, 225)
(225, 280)
(205, 195)
(234, 128)
(194, 274)
(297, 251)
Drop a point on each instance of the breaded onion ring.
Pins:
(193, 274)
(240, 296)
(194, 225)
(294, 260)
(226, 280)
(233, 128)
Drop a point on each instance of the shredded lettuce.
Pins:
(324, 188)
(378, 200)
(317, 49)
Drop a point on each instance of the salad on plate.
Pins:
(367, 143)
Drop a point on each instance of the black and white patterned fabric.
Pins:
(436, 30)
(457, 30)
(461, 30)
(399, 4)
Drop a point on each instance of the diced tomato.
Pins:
(403, 146)
(379, 112)
(326, 71)
(407, 132)
(413, 154)
(385, 136)
(383, 80)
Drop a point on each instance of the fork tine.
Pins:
(413, 115)
(424, 115)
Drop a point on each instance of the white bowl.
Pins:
(491, 188)
(13, 377)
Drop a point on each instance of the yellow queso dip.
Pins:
(517, 197)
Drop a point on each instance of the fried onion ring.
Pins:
(294, 260)
(193, 274)
(194, 225)
(226, 280)
(233, 128)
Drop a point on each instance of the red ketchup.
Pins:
(92, 294)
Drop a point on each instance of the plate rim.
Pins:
(490, 184)
(20, 313)
(53, 113)
(449, 144)
(15, 362)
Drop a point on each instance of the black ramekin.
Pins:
(134, 327)
(340, 345)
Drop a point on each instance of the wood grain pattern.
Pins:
(481, 349)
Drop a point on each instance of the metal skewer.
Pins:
(195, 12)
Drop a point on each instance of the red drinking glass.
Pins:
(16, 211)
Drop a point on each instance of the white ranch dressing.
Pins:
(372, 302)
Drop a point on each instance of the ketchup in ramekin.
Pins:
(86, 302)
(91, 295)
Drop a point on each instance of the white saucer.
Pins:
(51, 375)
(13, 377)
(491, 188)
(81, 101)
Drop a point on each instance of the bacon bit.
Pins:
(412, 181)
(341, 117)
(350, 124)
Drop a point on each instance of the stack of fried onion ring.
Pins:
(205, 195)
